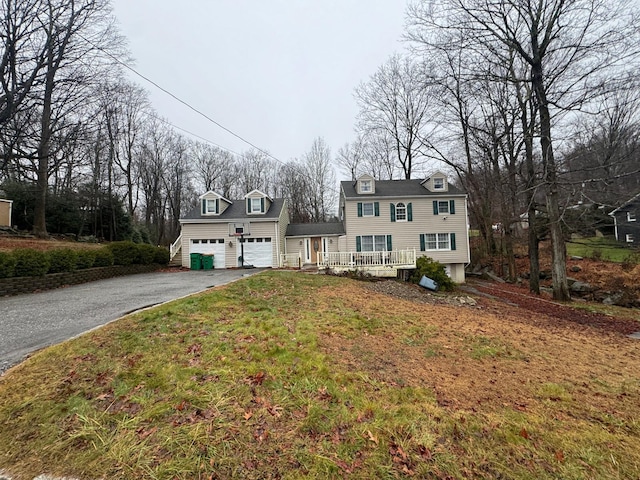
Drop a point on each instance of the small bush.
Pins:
(146, 254)
(62, 260)
(162, 256)
(435, 271)
(85, 259)
(30, 263)
(103, 258)
(124, 253)
(7, 265)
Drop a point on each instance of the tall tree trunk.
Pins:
(558, 250)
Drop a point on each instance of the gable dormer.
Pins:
(436, 183)
(213, 204)
(365, 185)
(257, 202)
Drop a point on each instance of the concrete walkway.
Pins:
(34, 321)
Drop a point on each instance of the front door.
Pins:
(315, 248)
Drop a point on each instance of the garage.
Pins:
(210, 246)
(258, 252)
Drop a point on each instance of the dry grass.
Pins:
(285, 375)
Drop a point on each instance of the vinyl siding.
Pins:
(406, 235)
(221, 230)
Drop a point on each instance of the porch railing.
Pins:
(290, 260)
(397, 258)
(175, 247)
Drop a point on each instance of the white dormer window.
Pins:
(256, 205)
(438, 183)
(210, 206)
(365, 186)
(631, 217)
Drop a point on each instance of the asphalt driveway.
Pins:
(34, 321)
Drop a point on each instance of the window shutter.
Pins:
(217, 205)
(453, 241)
(359, 209)
(435, 207)
(452, 207)
(389, 244)
(204, 206)
(409, 213)
(358, 244)
(392, 209)
(248, 205)
(262, 204)
(423, 245)
(376, 209)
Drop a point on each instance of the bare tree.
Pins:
(568, 45)
(395, 103)
(321, 180)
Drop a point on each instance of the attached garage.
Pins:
(258, 251)
(210, 246)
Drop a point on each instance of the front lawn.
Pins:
(288, 375)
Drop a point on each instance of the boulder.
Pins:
(580, 287)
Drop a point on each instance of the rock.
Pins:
(545, 275)
(575, 257)
(612, 299)
(576, 268)
(571, 281)
(581, 287)
(494, 277)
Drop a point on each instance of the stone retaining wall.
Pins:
(18, 285)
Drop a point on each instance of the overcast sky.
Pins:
(277, 72)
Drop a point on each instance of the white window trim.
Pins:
(631, 217)
(440, 212)
(253, 205)
(404, 208)
(629, 238)
(207, 202)
(426, 243)
(436, 186)
(373, 209)
(373, 243)
(366, 186)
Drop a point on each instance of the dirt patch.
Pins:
(492, 354)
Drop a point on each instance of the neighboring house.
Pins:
(249, 231)
(5, 212)
(384, 226)
(627, 221)
(428, 215)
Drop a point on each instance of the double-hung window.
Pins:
(365, 186)
(437, 241)
(438, 183)
(374, 243)
(443, 207)
(367, 209)
(256, 205)
(210, 206)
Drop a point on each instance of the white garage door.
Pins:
(258, 251)
(210, 246)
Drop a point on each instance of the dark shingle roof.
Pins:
(237, 210)
(315, 229)
(397, 188)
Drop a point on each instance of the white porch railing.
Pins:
(358, 260)
(290, 260)
(175, 247)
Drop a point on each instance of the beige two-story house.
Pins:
(429, 216)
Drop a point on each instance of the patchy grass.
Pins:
(286, 375)
(602, 248)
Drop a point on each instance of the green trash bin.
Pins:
(196, 261)
(207, 262)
